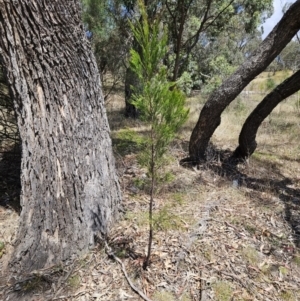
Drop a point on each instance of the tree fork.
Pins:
(209, 118)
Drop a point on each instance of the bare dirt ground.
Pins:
(223, 232)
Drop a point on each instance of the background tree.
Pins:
(106, 24)
(192, 25)
(196, 23)
(247, 143)
(220, 58)
(290, 56)
(70, 190)
(210, 116)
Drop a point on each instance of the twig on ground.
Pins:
(68, 296)
(63, 280)
(134, 288)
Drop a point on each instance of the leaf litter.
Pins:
(220, 241)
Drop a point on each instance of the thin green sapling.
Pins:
(160, 102)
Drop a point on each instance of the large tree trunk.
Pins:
(70, 190)
(247, 143)
(210, 118)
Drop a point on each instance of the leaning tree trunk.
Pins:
(210, 118)
(70, 190)
(247, 143)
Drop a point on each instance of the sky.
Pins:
(271, 22)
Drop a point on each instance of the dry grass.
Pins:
(222, 232)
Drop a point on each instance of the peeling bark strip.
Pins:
(210, 118)
(247, 143)
(70, 190)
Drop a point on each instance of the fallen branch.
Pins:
(68, 296)
(134, 288)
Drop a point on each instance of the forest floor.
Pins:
(222, 232)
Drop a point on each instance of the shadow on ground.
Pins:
(266, 178)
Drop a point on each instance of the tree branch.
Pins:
(134, 288)
(205, 19)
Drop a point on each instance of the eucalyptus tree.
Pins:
(70, 191)
(193, 24)
(107, 27)
(210, 116)
(247, 142)
(220, 56)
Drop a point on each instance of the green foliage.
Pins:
(221, 69)
(296, 259)
(163, 296)
(2, 245)
(283, 270)
(162, 178)
(297, 102)
(270, 84)
(96, 18)
(250, 228)
(103, 18)
(186, 82)
(222, 290)
(287, 296)
(128, 141)
(251, 255)
(2, 248)
(160, 102)
(140, 183)
(239, 107)
(228, 30)
(178, 198)
(32, 284)
(152, 42)
(289, 58)
(74, 281)
(121, 253)
(194, 40)
(165, 219)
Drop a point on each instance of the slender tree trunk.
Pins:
(153, 178)
(131, 80)
(70, 190)
(178, 39)
(210, 118)
(247, 143)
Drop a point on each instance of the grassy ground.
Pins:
(221, 232)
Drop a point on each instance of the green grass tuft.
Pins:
(222, 290)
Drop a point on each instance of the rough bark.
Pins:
(247, 143)
(210, 118)
(70, 190)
